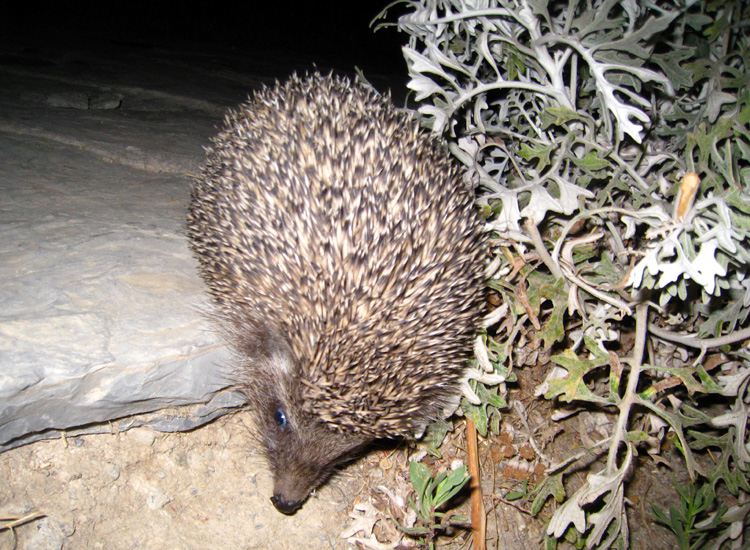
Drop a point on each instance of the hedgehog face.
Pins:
(303, 457)
(301, 451)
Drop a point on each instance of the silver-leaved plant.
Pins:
(610, 144)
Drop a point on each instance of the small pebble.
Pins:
(48, 536)
(106, 101)
(68, 528)
(180, 458)
(142, 435)
(68, 100)
(157, 500)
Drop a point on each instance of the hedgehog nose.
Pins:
(284, 506)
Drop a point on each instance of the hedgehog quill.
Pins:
(344, 258)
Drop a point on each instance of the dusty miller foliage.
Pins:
(579, 121)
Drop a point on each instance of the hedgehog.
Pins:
(343, 258)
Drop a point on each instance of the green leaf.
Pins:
(486, 415)
(572, 386)
(432, 488)
(660, 516)
(415, 531)
(739, 201)
(491, 396)
(478, 414)
(677, 422)
(670, 63)
(535, 281)
(551, 486)
(591, 162)
(645, 31)
(515, 66)
(554, 329)
(685, 374)
(638, 435)
(539, 151)
(435, 435)
(550, 542)
(559, 116)
(726, 469)
(452, 484)
(708, 158)
(420, 477)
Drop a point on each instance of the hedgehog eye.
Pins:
(280, 418)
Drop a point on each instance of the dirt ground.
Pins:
(209, 489)
(206, 489)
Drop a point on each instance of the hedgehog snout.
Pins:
(290, 491)
(303, 455)
(295, 479)
(284, 506)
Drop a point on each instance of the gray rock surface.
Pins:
(100, 298)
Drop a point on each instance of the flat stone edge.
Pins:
(24, 421)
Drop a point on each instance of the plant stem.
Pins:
(693, 341)
(621, 430)
(478, 514)
(533, 231)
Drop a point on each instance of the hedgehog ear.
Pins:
(255, 338)
(267, 342)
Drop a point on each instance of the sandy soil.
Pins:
(206, 489)
(210, 489)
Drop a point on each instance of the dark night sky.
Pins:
(333, 32)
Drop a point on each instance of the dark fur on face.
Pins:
(301, 451)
